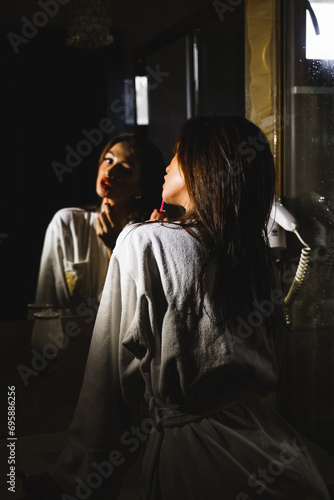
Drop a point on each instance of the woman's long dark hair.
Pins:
(230, 176)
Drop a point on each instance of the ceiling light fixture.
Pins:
(90, 24)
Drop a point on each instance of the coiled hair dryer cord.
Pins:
(301, 274)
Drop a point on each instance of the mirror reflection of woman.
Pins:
(79, 241)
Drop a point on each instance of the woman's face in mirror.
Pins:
(121, 168)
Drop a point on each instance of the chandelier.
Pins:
(90, 24)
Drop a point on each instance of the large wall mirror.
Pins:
(57, 94)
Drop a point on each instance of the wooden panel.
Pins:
(262, 72)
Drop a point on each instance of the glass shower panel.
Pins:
(308, 193)
(166, 71)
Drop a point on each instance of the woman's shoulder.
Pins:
(156, 234)
(69, 214)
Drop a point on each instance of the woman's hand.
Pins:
(156, 215)
(41, 487)
(106, 227)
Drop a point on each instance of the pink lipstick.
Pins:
(162, 207)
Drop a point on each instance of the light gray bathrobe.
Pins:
(211, 438)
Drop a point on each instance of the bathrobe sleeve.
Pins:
(104, 434)
(51, 284)
(74, 260)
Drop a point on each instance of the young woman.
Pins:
(79, 242)
(191, 319)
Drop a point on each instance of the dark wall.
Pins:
(51, 94)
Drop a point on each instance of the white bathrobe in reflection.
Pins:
(211, 438)
(74, 261)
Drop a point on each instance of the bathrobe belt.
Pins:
(172, 415)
